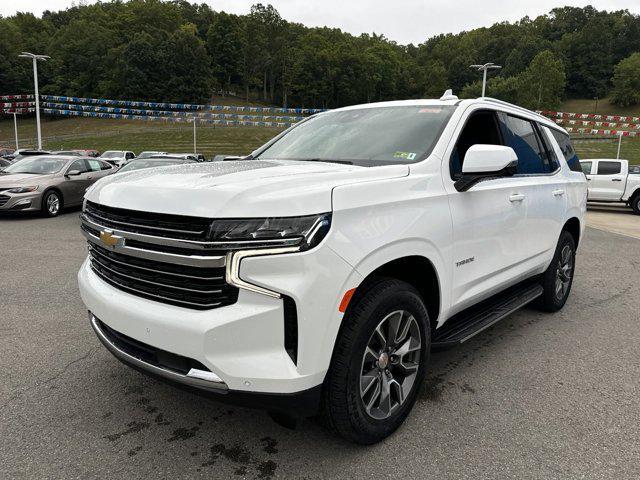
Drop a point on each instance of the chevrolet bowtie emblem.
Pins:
(110, 240)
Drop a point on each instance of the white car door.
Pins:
(607, 180)
(489, 220)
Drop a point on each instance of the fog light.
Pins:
(21, 205)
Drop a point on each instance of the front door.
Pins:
(489, 220)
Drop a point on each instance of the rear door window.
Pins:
(608, 168)
(521, 135)
(79, 165)
(94, 165)
(567, 150)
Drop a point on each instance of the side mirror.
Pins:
(72, 173)
(483, 162)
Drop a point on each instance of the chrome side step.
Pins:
(468, 323)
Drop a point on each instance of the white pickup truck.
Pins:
(317, 274)
(613, 180)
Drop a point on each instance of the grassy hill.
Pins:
(604, 107)
(107, 134)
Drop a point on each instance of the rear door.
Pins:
(543, 186)
(607, 181)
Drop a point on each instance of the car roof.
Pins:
(452, 100)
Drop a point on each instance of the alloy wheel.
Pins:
(53, 204)
(564, 272)
(390, 364)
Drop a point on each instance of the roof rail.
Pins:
(512, 105)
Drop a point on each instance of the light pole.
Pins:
(484, 68)
(620, 134)
(194, 135)
(15, 128)
(35, 59)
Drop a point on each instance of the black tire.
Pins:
(49, 199)
(555, 296)
(343, 407)
(635, 204)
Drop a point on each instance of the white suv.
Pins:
(316, 275)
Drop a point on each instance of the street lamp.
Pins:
(484, 68)
(35, 59)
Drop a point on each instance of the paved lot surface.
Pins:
(613, 217)
(538, 396)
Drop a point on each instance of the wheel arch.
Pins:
(416, 270)
(54, 189)
(573, 227)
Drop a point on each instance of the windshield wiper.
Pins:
(327, 160)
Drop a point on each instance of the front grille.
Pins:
(185, 286)
(148, 223)
(4, 199)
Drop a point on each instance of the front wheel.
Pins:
(51, 204)
(635, 204)
(379, 362)
(558, 277)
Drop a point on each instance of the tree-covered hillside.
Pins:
(179, 51)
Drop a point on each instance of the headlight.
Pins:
(305, 232)
(23, 189)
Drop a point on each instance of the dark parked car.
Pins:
(26, 152)
(156, 161)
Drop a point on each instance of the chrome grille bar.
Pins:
(93, 251)
(189, 260)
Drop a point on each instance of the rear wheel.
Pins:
(558, 278)
(51, 204)
(378, 364)
(635, 204)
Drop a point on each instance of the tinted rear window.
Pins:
(567, 150)
(609, 168)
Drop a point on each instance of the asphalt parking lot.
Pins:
(537, 396)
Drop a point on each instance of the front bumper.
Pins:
(241, 344)
(300, 404)
(21, 202)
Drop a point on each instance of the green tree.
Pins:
(225, 44)
(542, 83)
(626, 82)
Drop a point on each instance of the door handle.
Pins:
(616, 179)
(516, 197)
(588, 179)
(558, 193)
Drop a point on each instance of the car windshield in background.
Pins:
(140, 164)
(112, 155)
(367, 136)
(37, 165)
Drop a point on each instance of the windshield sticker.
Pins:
(430, 110)
(405, 155)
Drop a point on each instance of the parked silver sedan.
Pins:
(49, 183)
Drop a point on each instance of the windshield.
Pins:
(37, 165)
(366, 136)
(112, 154)
(138, 164)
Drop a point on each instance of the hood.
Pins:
(17, 179)
(251, 188)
